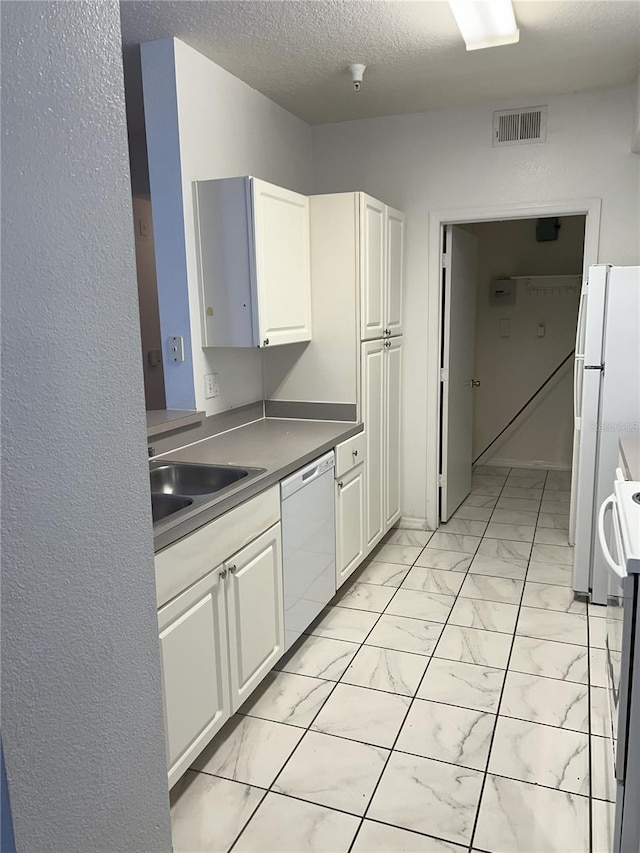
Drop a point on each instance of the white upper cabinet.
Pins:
(381, 269)
(372, 267)
(253, 263)
(283, 270)
(395, 271)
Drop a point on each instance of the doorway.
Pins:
(510, 295)
(587, 208)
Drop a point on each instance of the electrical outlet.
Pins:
(211, 385)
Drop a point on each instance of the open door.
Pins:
(459, 260)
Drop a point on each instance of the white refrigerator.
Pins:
(606, 406)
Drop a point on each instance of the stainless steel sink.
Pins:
(164, 505)
(178, 485)
(184, 478)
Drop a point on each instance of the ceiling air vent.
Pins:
(520, 127)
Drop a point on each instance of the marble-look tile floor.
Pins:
(449, 699)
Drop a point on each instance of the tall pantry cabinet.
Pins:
(357, 247)
(381, 252)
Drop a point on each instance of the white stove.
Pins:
(619, 542)
(627, 494)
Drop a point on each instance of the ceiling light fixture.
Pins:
(357, 69)
(485, 23)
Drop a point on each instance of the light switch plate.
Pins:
(176, 348)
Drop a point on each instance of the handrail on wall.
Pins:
(528, 403)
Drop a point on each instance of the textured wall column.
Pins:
(82, 722)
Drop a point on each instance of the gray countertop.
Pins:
(160, 421)
(630, 452)
(279, 446)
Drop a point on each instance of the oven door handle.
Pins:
(618, 570)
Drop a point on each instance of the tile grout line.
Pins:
(590, 835)
(308, 728)
(401, 752)
(430, 701)
(495, 726)
(411, 703)
(469, 663)
(413, 697)
(486, 773)
(484, 779)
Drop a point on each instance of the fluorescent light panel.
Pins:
(485, 23)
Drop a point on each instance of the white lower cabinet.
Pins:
(373, 415)
(351, 456)
(193, 648)
(255, 613)
(350, 535)
(381, 402)
(218, 639)
(391, 455)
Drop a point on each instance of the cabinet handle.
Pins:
(233, 569)
(222, 574)
(265, 342)
(475, 383)
(340, 484)
(355, 452)
(387, 332)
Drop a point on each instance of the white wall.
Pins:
(82, 722)
(441, 160)
(221, 128)
(512, 368)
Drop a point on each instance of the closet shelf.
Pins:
(547, 285)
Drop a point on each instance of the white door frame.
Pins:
(589, 207)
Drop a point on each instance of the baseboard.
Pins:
(408, 523)
(517, 463)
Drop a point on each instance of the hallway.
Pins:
(452, 698)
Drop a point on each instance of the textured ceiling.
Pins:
(296, 51)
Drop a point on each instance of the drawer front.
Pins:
(185, 562)
(350, 453)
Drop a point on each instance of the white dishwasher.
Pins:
(308, 544)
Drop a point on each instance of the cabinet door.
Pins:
(395, 271)
(282, 265)
(193, 647)
(255, 612)
(392, 408)
(349, 523)
(372, 267)
(224, 249)
(373, 417)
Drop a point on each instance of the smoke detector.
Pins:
(357, 69)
